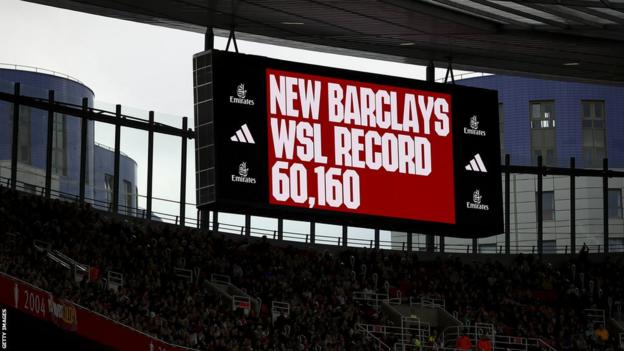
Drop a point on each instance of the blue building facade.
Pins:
(559, 120)
(33, 131)
(32, 140)
(580, 115)
(103, 163)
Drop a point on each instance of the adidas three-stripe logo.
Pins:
(243, 135)
(476, 164)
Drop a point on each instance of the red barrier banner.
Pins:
(63, 313)
(67, 315)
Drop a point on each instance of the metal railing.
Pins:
(279, 308)
(478, 331)
(370, 298)
(370, 331)
(428, 301)
(466, 75)
(240, 229)
(39, 70)
(595, 316)
(500, 246)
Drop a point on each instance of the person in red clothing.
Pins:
(463, 343)
(484, 344)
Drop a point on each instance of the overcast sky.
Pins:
(140, 66)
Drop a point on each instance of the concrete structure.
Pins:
(557, 120)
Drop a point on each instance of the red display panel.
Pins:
(357, 147)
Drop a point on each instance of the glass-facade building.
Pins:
(32, 141)
(559, 120)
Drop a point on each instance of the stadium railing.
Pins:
(532, 245)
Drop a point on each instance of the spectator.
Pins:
(464, 343)
(484, 344)
(526, 297)
(602, 334)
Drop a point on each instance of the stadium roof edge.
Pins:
(582, 41)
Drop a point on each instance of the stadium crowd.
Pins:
(527, 297)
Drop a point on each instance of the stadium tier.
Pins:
(209, 291)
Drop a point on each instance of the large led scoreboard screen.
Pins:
(307, 142)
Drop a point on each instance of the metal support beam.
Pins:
(604, 15)
(578, 172)
(507, 206)
(150, 166)
(280, 229)
(409, 241)
(521, 13)
(430, 243)
(605, 204)
(430, 78)
(572, 207)
(215, 221)
(84, 124)
(312, 232)
(467, 7)
(540, 217)
(116, 161)
(475, 245)
(449, 70)
(376, 239)
(345, 235)
(232, 39)
(95, 115)
(441, 244)
(247, 225)
(15, 137)
(50, 135)
(563, 14)
(431, 72)
(183, 174)
(209, 39)
(204, 219)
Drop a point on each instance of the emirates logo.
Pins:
(240, 91)
(243, 171)
(241, 96)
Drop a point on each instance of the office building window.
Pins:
(24, 142)
(594, 148)
(108, 188)
(548, 205)
(543, 122)
(615, 203)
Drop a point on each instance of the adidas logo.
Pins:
(476, 164)
(243, 135)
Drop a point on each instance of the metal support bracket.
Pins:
(449, 70)
(231, 38)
